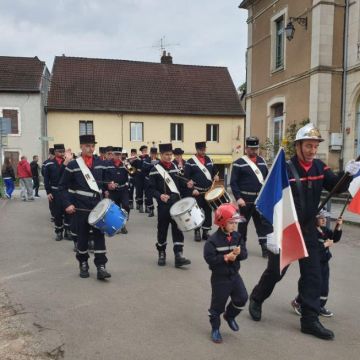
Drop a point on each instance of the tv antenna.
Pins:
(162, 45)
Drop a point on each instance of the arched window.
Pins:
(277, 116)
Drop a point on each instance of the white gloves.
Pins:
(352, 167)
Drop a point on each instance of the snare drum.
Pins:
(217, 196)
(187, 214)
(107, 217)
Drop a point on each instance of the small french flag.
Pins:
(354, 190)
(275, 202)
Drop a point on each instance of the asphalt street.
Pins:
(148, 312)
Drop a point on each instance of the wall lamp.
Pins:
(290, 28)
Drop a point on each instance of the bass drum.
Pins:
(187, 214)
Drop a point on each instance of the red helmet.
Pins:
(226, 212)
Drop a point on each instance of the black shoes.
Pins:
(180, 260)
(162, 258)
(141, 209)
(124, 230)
(216, 336)
(255, 310)
(197, 235)
(264, 251)
(67, 235)
(84, 269)
(147, 210)
(58, 236)
(102, 274)
(151, 213)
(205, 234)
(232, 323)
(316, 329)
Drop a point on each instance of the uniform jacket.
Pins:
(52, 174)
(138, 164)
(73, 179)
(118, 174)
(243, 177)
(193, 172)
(157, 186)
(23, 169)
(323, 234)
(181, 169)
(217, 246)
(147, 166)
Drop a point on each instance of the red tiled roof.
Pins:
(131, 86)
(20, 73)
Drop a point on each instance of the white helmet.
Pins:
(308, 132)
(323, 214)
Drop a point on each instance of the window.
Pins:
(13, 116)
(278, 120)
(212, 132)
(176, 132)
(279, 43)
(86, 127)
(136, 131)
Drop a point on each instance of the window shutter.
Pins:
(208, 132)
(172, 132)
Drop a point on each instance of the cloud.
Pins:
(210, 32)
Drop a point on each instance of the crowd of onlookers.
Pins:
(28, 175)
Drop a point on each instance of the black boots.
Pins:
(231, 322)
(124, 230)
(84, 269)
(141, 209)
(67, 235)
(59, 236)
(255, 310)
(197, 235)
(205, 234)
(151, 213)
(102, 274)
(264, 251)
(180, 260)
(162, 258)
(315, 328)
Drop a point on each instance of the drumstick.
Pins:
(183, 178)
(212, 185)
(79, 209)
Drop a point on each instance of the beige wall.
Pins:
(114, 129)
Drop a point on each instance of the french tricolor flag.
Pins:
(275, 202)
(354, 190)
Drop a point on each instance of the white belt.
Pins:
(55, 187)
(84, 193)
(249, 193)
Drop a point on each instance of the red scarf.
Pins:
(253, 159)
(88, 160)
(117, 163)
(59, 160)
(305, 165)
(166, 164)
(201, 159)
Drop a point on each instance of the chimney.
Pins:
(166, 59)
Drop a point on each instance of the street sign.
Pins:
(46, 138)
(5, 126)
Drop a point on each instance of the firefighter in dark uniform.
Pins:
(133, 155)
(201, 170)
(117, 175)
(51, 156)
(53, 171)
(140, 178)
(78, 193)
(179, 161)
(308, 176)
(166, 194)
(146, 168)
(109, 155)
(247, 176)
(223, 252)
(102, 153)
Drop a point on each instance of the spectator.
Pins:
(7, 173)
(35, 174)
(25, 176)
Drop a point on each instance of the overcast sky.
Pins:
(209, 32)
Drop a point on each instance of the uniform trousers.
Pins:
(149, 202)
(61, 218)
(203, 204)
(121, 198)
(309, 284)
(36, 185)
(131, 189)
(223, 288)
(164, 220)
(139, 185)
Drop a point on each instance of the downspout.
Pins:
(344, 81)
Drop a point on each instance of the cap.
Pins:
(87, 139)
(165, 147)
(59, 147)
(252, 142)
(178, 151)
(200, 145)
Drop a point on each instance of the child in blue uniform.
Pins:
(223, 252)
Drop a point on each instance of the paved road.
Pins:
(147, 312)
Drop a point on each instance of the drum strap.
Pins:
(254, 168)
(87, 175)
(167, 178)
(202, 168)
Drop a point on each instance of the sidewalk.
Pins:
(348, 216)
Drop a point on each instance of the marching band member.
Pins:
(51, 156)
(165, 188)
(147, 166)
(79, 190)
(118, 187)
(140, 178)
(179, 161)
(200, 169)
(53, 170)
(102, 153)
(109, 155)
(247, 176)
(133, 155)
